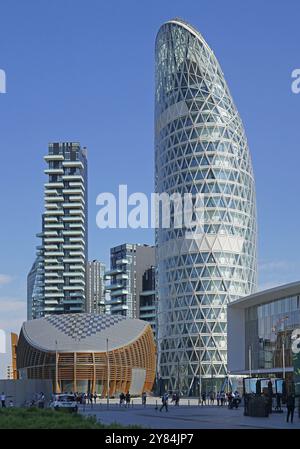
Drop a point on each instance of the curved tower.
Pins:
(200, 148)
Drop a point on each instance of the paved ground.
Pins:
(185, 416)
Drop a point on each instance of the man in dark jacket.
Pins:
(290, 404)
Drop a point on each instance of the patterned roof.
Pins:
(82, 332)
(81, 325)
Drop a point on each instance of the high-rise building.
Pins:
(95, 287)
(35, 288)
(128, 263)
(200, 148)
(63, 253)
(148, 303)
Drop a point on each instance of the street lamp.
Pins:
(200, 373)
(250, 360)
(56, 366)
(276, 331)
(108, 372)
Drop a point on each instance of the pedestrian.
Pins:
(212, 398)
(144, 398)
(278, 401)
(218, 399)
(127, 399)
(177, 399)
(3, 399)
(290, 404)
(122, 399)
(222, 398)
(95, 398)
(203, 398)
(164, 400)
(41, 401)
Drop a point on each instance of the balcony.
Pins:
(73, 164)
(113, 286)
(118, 308)
(54, 171)
(54, 185)
(112, 272)
(73, 178)
(119, 292)
(54, 157)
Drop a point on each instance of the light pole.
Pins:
(200, 374)
(108, 372)
(250, 360)
(178, 380)
(56, 367)
(276, 331)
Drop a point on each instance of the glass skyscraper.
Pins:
(200, 147)
(95, 287)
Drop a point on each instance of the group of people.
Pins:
(125, 399)
(165, 400)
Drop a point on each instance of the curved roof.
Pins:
(82, 332)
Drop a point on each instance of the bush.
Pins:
(33, 418)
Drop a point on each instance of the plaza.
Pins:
(189, 415)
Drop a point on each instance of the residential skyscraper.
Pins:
(63, 252)
(95, 287)
(200, 148)
(128, 263)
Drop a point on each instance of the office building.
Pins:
(148, 303)
(128, 263)
(201, 149)
(264, 333)
(95, 287)
(35, 288)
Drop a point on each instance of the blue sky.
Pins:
(84, 71)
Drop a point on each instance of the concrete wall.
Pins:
(24, 390)
(236, 339)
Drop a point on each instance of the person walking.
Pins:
(203, 398)
(165, 400)
(127, 399)
(290, 404)
(218, 399)
(95, 398)
(144, 398)
(177, 399)
(122, 399)
(3, 399)
(222, 398)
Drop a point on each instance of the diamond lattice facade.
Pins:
(200, 147)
